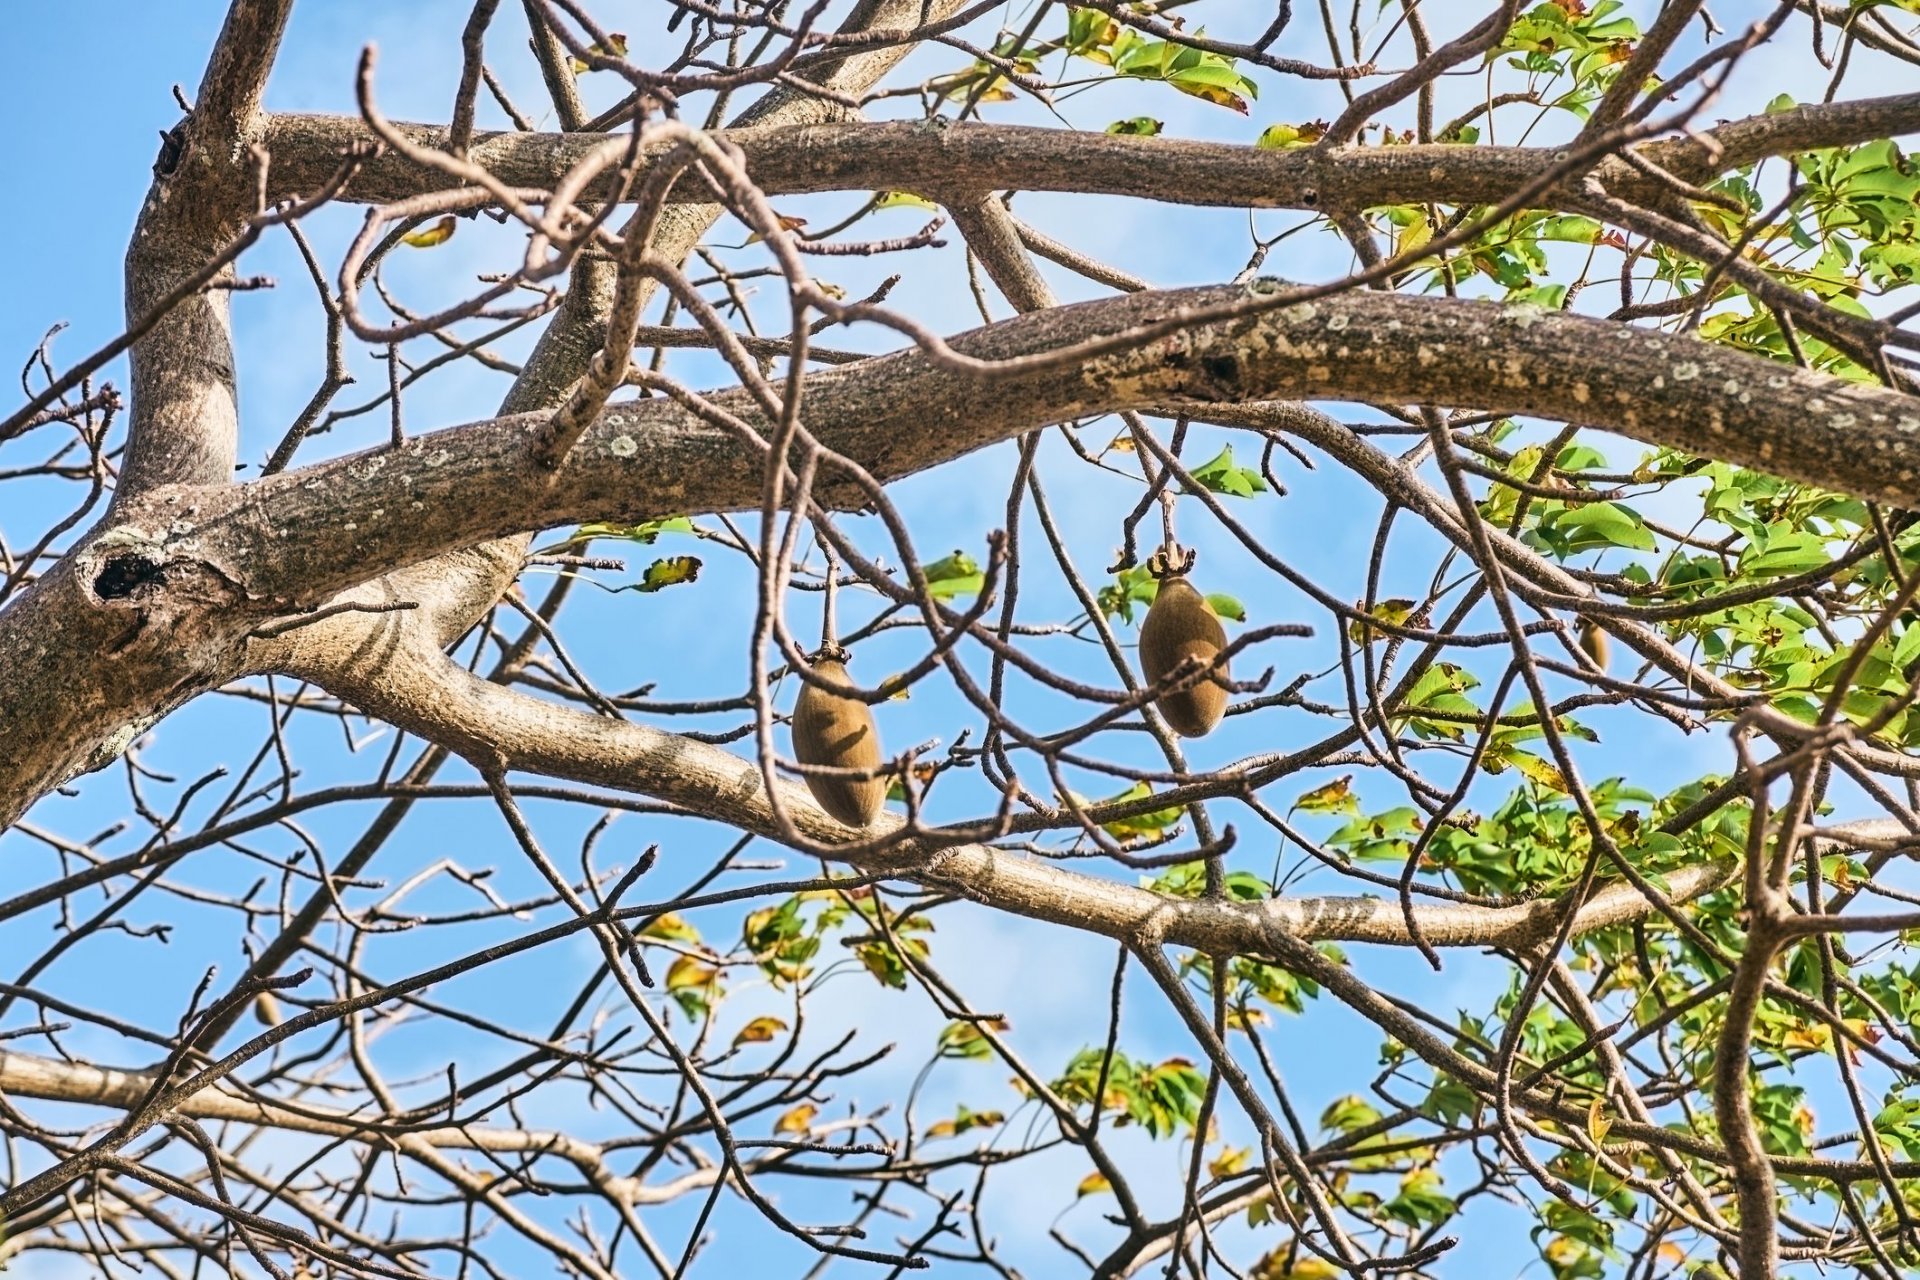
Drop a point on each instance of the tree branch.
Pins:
(951, 160)
(424, 692)
(290, 541)
(184, 424)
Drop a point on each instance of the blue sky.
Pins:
(101, 72)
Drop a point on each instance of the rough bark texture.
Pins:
(192, 582)
(941, 159)
(291, 541)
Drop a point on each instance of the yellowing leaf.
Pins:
(1273, 1264)
(1092, 1185)
(966, 1039)
(1545, 773)
(1542, 772)
(1229, 1162)
(1313, 1269)
(690, 971)
(901, 200)
(668, 572)
(427, 237)
(1806, 1035)
(1393, 612)
(759, 1031)
(1335, 797)
(1219, 95)
(1412, 236)
(671, 927)
(615, 47)
(1597, 1121)
(1285, 137)
(1246, 1019)
(798, 1120)
(1563, 1253)
(964, 1120)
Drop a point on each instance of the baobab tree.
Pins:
(1348, 579)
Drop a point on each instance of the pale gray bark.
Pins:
(292, 540)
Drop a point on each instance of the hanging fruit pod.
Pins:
(1179, 625)
(1594, 643)
(835, 730)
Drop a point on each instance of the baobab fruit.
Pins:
(266, 1008)
(833, 729)
(1181, 624)
(1593, 642)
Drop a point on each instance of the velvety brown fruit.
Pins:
(829, 729)
(1594, 641)
(1181, 624)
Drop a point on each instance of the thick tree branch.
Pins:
(292, 540)
(340, 522)
(185, 418)
(951, 160)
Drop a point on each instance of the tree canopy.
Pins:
(1353, 568)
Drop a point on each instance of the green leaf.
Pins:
(1227, 607)
(643, 533)
(1420, 1202)
(1137, 127)
(1189, 880)
(1207, 76)
(1344, 1115)
(955, 575)
(1140, 824)
(1604, 524)
(1221, 476)
(1129, 587)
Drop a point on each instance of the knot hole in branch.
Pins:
(122, 577)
